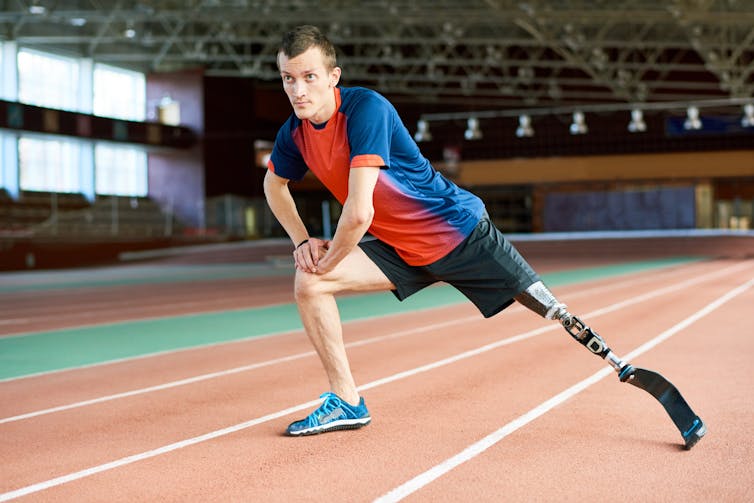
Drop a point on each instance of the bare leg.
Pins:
(315, 297)
(321, 319)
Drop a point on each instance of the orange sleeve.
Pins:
(367, 161)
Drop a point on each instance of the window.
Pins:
(119, 93)
(49, 165)
(120, 171)
(3, 77)
(59, 165)
(47, 80)
(3, 182)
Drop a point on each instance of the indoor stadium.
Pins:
(213, 212)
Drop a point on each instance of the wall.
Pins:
(176, 178)
(640, 209)
(737, 163)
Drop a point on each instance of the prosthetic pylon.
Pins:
(540, 299)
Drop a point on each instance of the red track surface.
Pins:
(611, 441)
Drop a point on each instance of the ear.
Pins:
(335, 76)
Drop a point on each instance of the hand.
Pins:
(308, 254)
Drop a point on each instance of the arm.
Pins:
(283, 207)
(358, 211)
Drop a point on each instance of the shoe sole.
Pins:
(350, 424)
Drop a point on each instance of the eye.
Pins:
(311, 76)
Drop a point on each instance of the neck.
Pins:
(327, 111)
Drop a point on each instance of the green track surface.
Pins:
(48, 351)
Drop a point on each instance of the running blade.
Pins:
(692, 428)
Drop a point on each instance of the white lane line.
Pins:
(490, 440)
(235, 370)
(665, 271)
(423, 328)
(401, 375)
(198, 308)
(213, 375)
(24, 491)
(14, 321)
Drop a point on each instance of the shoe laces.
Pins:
(332, 402)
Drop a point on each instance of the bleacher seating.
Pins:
(42, 230)
(111, 218)
(72, 216)
(33, 208)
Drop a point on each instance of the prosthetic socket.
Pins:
(541, 300)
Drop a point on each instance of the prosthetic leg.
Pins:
(540, 299)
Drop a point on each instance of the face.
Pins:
(309, 85)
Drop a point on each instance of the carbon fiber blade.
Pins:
(692, 428)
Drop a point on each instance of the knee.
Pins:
(307, 286)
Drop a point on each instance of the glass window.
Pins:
(3, 167)
(9, 162)
(49, 165)
(2, 71)
(47, 80)
(120, 171)
(119, 93)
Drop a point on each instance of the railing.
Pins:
(71, 216)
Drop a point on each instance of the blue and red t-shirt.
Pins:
(417, 211)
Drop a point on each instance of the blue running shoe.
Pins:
(333, 414)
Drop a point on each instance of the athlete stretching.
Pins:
(426, 228)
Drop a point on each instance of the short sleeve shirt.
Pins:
(417, 211)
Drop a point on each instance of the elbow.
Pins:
(365, 217)
(361, 217)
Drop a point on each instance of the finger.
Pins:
(299, 257)
(313, 252)
(308, 258)
(300, 265)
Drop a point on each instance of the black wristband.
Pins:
(302, 243)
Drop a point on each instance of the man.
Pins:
(427, 229)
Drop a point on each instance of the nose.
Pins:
(298, 89)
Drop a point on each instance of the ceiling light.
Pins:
(748, 119)
(129, 32)
(579, 125)
(637, 124)
(472, 129)
(422, 131)
(524, 129)
(692, 121)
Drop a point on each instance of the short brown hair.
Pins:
(302, 38)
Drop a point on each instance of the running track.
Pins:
(464, 409)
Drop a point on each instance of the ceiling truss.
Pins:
(474, 54)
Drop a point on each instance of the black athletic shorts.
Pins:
(485, 267)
